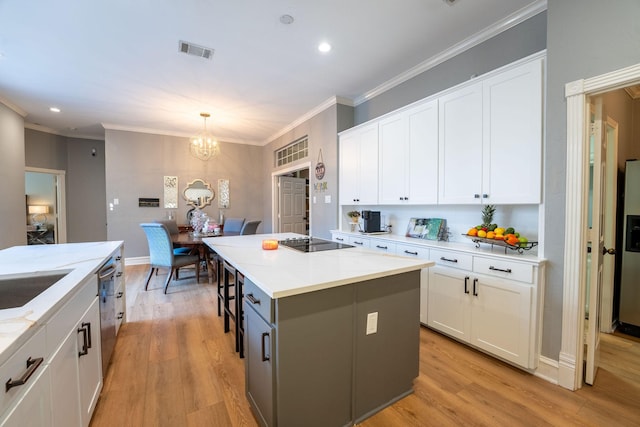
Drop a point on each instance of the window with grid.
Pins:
(295, 151)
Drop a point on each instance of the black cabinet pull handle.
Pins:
(340, 239)
(466, 285)
(88, 326)
(475, 287)
(476, 196)
(119, 295)
(410, 253)
(85, 347)
(120, 315)
(252, 299)
(265, 358)
(448, 259)
(118, 258)
(119, 274)
(485, 196)
(381, 247)
(32, 365)
(507, 270)
(358, 243)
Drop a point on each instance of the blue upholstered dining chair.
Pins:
(249, 227)
(161, 253)
(232, 226)
(173, 229)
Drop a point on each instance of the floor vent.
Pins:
(195, 50)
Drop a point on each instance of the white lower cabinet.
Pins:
(422, 252)
(494, 314)
(34, 408)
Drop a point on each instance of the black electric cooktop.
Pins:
(312, 244)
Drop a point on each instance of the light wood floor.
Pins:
(173, 366)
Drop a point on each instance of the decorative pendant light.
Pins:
(204, 146)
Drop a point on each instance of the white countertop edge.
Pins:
(286, 272)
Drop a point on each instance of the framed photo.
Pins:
(426, 228)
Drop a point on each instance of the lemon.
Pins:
(482, 233)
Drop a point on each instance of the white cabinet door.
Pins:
(34, 408)
(501, 313)
(409, 156)
(460, 146)
(359, 166)
(422, 253)
(512, 153)
(394, 156)
(422, 140)
(449, 302)
(89, 361)
(64, 377)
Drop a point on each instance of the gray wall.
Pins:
(13, 230)
(585, 38)
(322, 130)
(136, 164)
(85, 179)
(86, 194)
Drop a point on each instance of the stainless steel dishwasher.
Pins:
(106, 291)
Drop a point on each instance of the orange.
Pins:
(472, 232)
(499, 237)
(512, 240)
(491, 235)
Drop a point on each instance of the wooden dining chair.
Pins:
(161, 253)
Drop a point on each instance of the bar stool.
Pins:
(232, 312)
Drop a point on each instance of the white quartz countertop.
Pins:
(79, 259)
(285, 272)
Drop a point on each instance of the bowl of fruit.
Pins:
(490, 233)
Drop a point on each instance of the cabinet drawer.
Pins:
(359, 242)
(67, 317)
(503, 268)
(452, 259)
(412, 251)
(16, 366)
(256, 298)
(382, 246)
(340, 238)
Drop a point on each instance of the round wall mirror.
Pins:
(198, 194)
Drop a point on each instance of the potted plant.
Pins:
(354, 215)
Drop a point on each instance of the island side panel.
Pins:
(387, 361)
(314, 341)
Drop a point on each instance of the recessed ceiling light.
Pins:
(54, 109)
(324, 47)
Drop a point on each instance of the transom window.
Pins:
(295, 151)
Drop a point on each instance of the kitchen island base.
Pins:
(311, 361)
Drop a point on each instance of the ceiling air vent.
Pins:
(195, 50)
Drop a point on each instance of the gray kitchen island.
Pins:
(331, 337)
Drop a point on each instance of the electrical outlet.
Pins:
(372, 323)
(327, 199)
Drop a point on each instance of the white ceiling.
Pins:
(116, 63)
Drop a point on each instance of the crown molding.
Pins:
(45, 129)
(482, 36)
(318, 109)
(13, 107)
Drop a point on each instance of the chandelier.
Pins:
(204, 146)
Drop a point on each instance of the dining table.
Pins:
(188, 239)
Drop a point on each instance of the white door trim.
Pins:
(61, 200)
(577, 186)
(274, 193)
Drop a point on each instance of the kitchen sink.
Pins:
(17, 290)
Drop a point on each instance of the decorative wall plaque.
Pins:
(223, 193)
(170, 192)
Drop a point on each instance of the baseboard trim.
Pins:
(141, 260)
(547, 369)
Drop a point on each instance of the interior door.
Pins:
(598, 152)
(293, 200)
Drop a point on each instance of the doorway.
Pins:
(579, 95)
(291, 211)
(45, 206)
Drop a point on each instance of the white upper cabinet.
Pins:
(512, 155)
(408, 156)
(359, 166)
(460, 146)
(491, 139)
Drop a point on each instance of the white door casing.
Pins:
(576, 178)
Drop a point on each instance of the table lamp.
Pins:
(38, 214)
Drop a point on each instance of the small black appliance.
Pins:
(371, 221)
